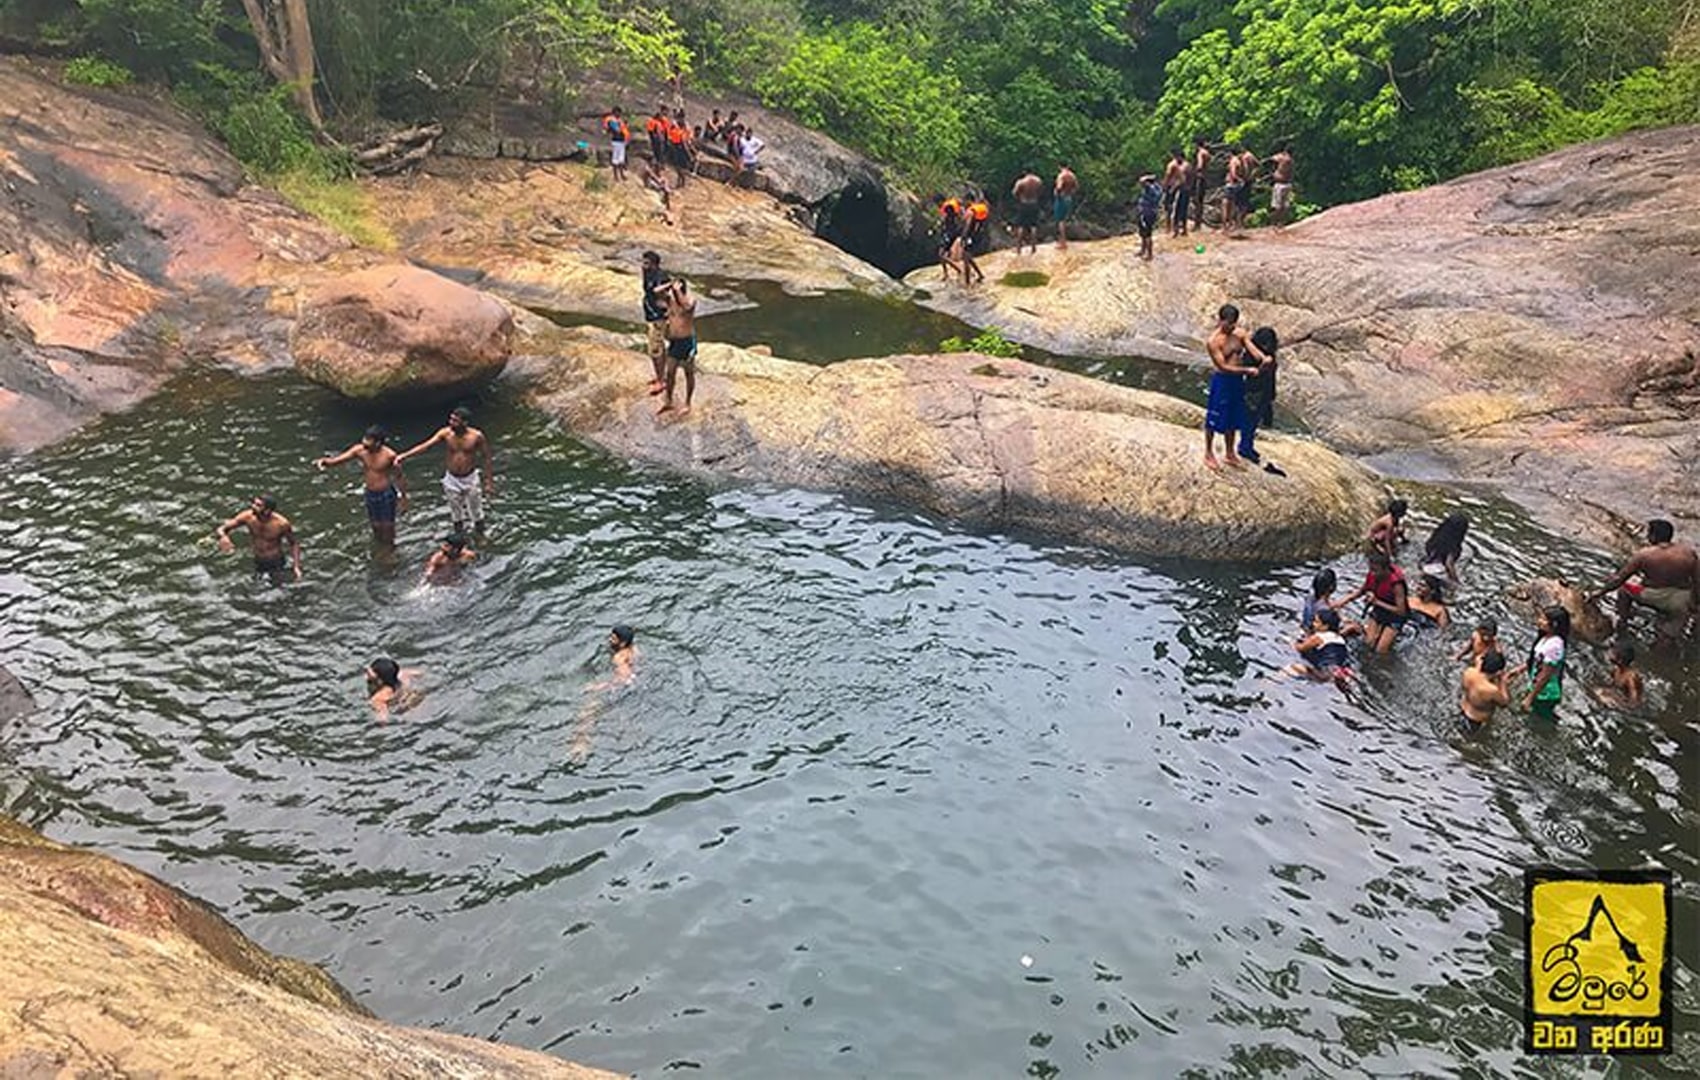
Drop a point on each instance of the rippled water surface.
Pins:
(871, 763)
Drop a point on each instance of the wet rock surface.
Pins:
(1534, 326)
(106, 971)
(998, 443)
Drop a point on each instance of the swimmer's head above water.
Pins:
(454, 544)
(383, 672)
(1493, 663)
(1329, 619)
(621, 637)
(1324, 583)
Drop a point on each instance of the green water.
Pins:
(870, 762)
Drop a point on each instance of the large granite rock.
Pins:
(400, 333)
(1535, 326)
(841, 195)
(105, 971)
(566, 238)
(129, 245)
(1000, 443)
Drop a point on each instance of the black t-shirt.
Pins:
(654, 308)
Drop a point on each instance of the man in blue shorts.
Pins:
(386, 486)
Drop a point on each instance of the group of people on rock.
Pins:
(674, 143)
(1663, 576)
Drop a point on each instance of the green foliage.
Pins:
(857, 83)
(96, 71)
(1525, 118)
(257, 121)
(1026, 279)
(156, 38)
(988, 342)
(337, 201)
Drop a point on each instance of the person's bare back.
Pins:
(1283, 162)
(1067, 183)
(1483, 691)
(1027, 188)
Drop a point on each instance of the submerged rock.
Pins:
(105, 971)
(1587, 621)
(1000, 443)
(401, 333)
(1535, 325)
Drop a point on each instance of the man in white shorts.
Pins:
(464, 485)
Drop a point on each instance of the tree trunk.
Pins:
(285, 36)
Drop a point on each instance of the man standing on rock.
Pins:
(1224, 409)
(386, 485)
(655, 292)
(1027, 191)
(1670, 582)
(1150, 205)
(681, 344)
(618, 135)
(1231, 189)
(1281, 194)
(464, 485)
(1174, 180)
(1063, 196)
(1200, 180)
(268, 532)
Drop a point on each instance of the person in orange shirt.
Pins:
(678, 145)
(950, 233)
(656, 128)
(976, 231)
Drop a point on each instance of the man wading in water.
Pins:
(1026, 192)
(386, 486)
(268, 532)
(463, 484)
(681, 345)
(1670, 583)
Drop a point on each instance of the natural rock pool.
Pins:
(888, 798)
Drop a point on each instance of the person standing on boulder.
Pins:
(1260, 397)
(656, 128)
(1224, 410)
(1026, 192)
(976, 225)
(1670, 583)
(464, 485)
(1281, 193)
(655, 293)
(1063, 196)
(1200, 180)
(1150, 205)
(950, 234)
(681, 344)
(618, 136)
(268, 532)
(386, 484)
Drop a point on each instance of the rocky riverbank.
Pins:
(1000, 443)
(106, 971)
(1532, 326)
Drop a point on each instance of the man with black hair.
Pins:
(1670, 582)
(464, 485)
(268, 533)
(386, 485)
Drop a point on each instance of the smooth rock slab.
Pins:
(1000, 443)
(401, 333)
(105, 971)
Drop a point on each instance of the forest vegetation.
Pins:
(1374, 95)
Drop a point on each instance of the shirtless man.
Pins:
(386, 485)
(1200, 180)
(1026, 192)
(1483, 691)
(464, 485)
(445, 565)
(1063, 195)
(1670, 583)
(1387, 532)
(1248, 179)
(1224, 411)
(268, 532)
(1231, 189)
(1281, 195)
(391, 686)
(681, 345)
(1174, 185)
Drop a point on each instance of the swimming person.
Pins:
(1389, 603)
(386, 485)
(622, 648)
(445, 565)
(681, 345)
(1444, 548)
(1326, 658)
(1260, 397)
(1387, 532)
(1670, 583)
(1625, 691)
(389, 687)
(1484, 639)
(1430, 601)
(268, 533)
(464, 446)
(1224, 411)
(1544, 668)
(1484, 692)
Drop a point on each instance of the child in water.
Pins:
(1324, 651)
(390, 687)
(1484, 639)
(1625, 690)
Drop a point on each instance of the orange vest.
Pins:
(676, 132)
(979, 211)
(950, 207)
(655, 126)
(616, 128)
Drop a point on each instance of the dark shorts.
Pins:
(1388, 621)
(683, 350)
(1026, 215)
(677, 154)
(381, 505)
(1147, 224)
(1244, 197)
(1062, 207)
(1469, 726)
(270, 567)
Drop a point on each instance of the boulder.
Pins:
(400, 333)
(1587, 621)
(998, 443)
(1534, 325)
(106, 971)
